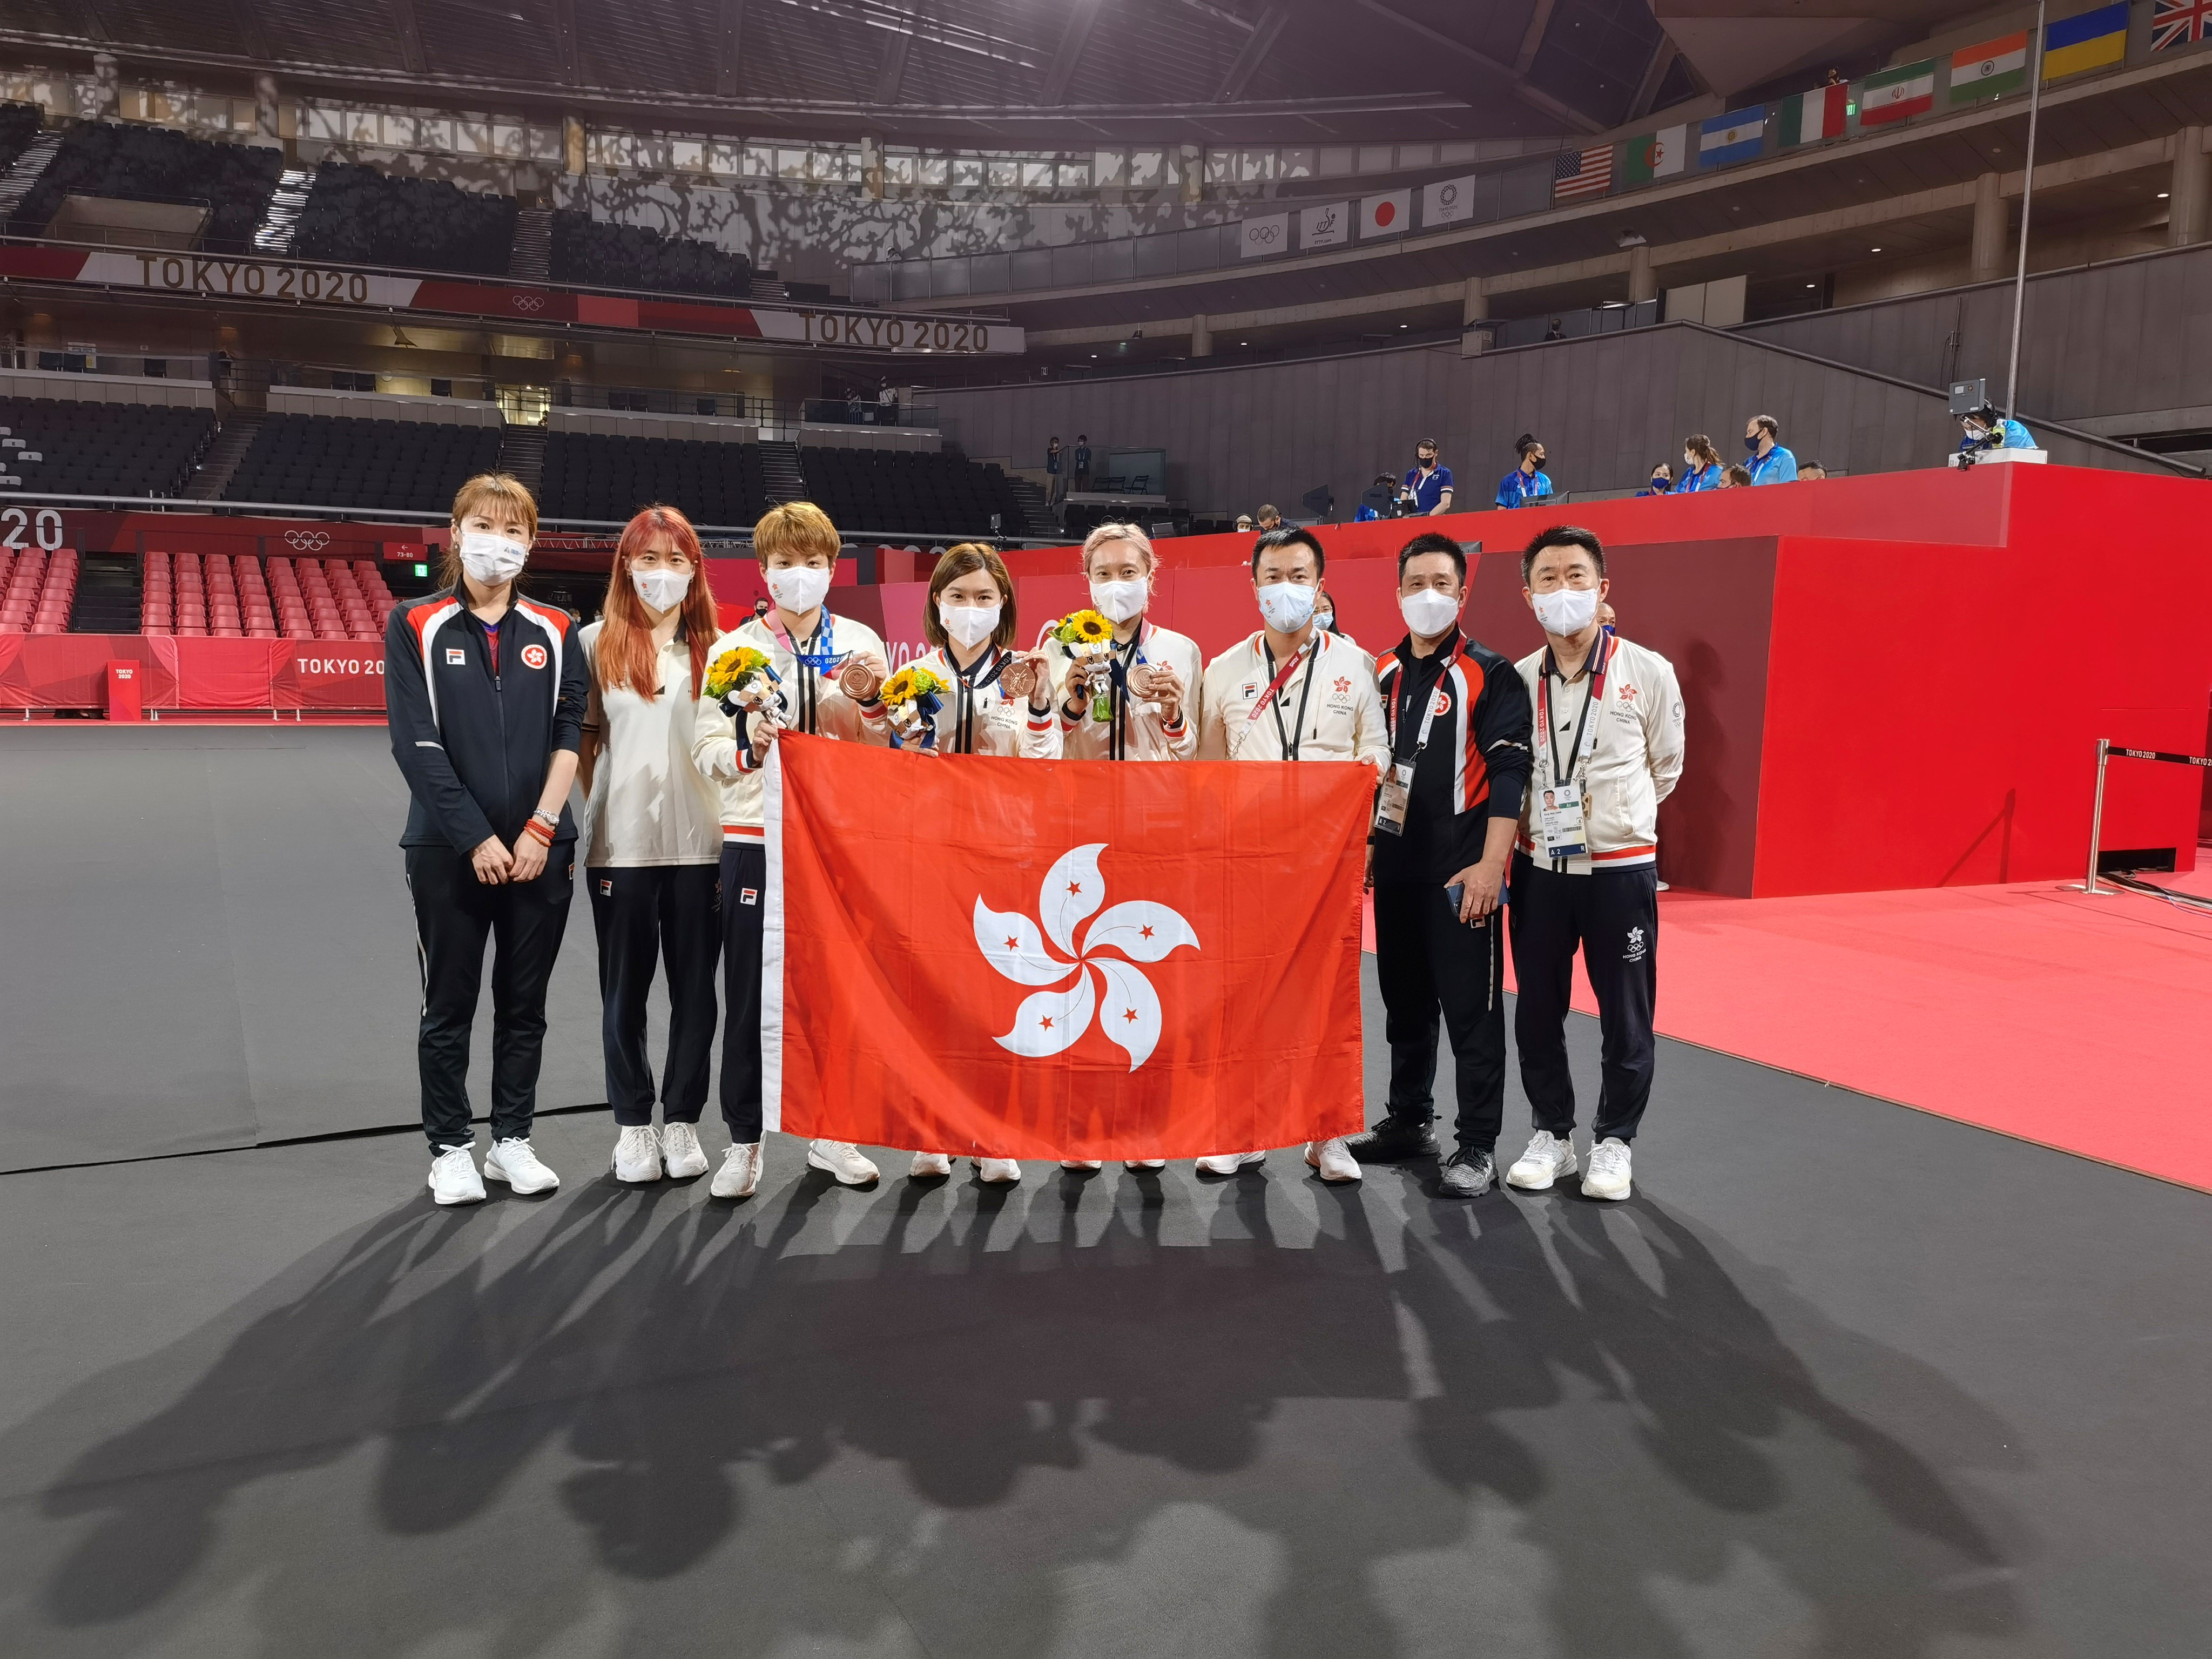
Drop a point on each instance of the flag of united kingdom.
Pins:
(2177, 23)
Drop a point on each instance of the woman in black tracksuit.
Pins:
(485, 692)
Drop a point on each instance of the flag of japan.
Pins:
(1388, 214)
(1026, 958)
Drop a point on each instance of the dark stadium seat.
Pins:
(588, 476)
(104, 449)
(589, 252)
(142, 163)
(19, 125)
(899, 491)
(361, 216)
(320, 460)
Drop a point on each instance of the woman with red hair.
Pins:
(652, 865)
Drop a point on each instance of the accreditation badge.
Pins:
(1391, 799)
(1558, 818)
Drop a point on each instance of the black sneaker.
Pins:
(1467, 1175)
(1392, 1141)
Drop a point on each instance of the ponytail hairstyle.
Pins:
(625, 654)
(1702, 446)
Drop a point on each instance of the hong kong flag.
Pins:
(1023, 958)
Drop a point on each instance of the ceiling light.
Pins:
(1874, 250)
(1812, 285)
(1405, 324)
(2162, 196)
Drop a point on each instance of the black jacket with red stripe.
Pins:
(475, 720)
(1472, 770)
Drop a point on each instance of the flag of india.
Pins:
(1990, 69)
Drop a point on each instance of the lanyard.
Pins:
(811, 663)
(1296, 735)
(963, 739)
(1125, 657)
(1397, 723)
(1584, 743)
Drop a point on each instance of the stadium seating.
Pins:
(600, 255)
(901, 491)
(104, 449)
(139, 163)
(19, 125)
(360, 216)
(221, 597)
(36, 590)
(591, 477)
(320, 460)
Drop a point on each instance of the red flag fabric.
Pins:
(1023, 958)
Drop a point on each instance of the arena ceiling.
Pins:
(1065, 73)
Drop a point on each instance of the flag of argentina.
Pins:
(1736, 136)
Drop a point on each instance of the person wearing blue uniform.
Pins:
(1770, 462)
(1525, 483)
(1662, 482)
(1986, 429)
(1701, 465)
(1429, 485)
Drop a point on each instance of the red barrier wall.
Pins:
(69, 671)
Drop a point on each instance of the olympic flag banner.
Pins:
(1026, 958)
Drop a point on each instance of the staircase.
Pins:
(767, 286)
(231, 440)
(531, 259)
(18, 182)
(522, 455)
(1035, 514)
(107, 595)
(780, 471)
(280, 224)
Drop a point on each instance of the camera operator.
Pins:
(1426, 487)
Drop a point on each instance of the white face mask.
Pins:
(1427, 611)
(1567, 610)
(493, 560)
(663, 590)
(1120, 602)
(968, 625)
(798, 588)
(1287, 606)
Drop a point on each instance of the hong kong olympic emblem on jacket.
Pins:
(1123, 1002)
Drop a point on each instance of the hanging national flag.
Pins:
(1810, 116)
(1895, 94)
(1990, 70)
(1582, 172)
(1040, 959)
(2092, 41)
(2178, 22)
(1452, 200)
(1738, 136)
(1657, 155)
(1390, 215)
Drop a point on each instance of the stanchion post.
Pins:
(2097, 814)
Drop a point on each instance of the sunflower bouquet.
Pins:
(1088, 637)
(912, 698)
(742, 678)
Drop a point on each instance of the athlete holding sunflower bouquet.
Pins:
(795, 667)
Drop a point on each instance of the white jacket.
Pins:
(997, 724)
(1144, 735)
(1343, 709)
(1637, 760)
(812, 702)
(649, 804)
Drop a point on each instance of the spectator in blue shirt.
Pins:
(1525, 483)
(1662, 481)
(1430, 485)
(1770, 462)
(1701, 464)
(1986, 429)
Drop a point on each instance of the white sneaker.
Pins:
(998, 1171)
(1147, 1164)
(1228, 1164)
(1332, 1160)
(1081, 1164)
(1607, 1175)
(1548, 1157)
(841, 1158)
(514, 1162)
(739, 1174)
(637, 1154)
(454, 1177)
(927, 1166)
(679, 1145)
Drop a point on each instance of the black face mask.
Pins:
(1425, 462)
(1538, 464)
(1750, 444)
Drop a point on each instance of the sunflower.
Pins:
(733, 669)
(902, 687)
(925, 681)
(1083, 627)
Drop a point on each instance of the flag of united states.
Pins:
(1582, 172)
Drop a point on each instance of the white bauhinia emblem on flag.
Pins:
(1123, 1000)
